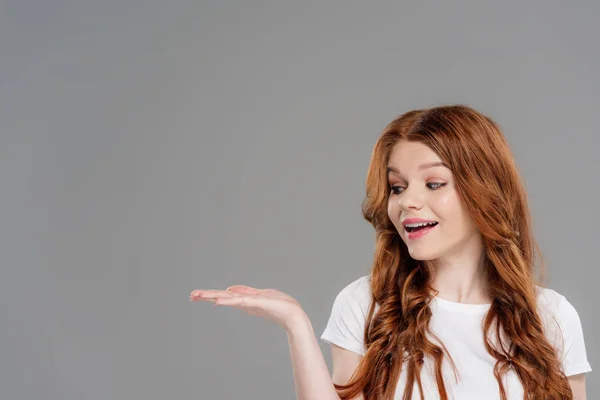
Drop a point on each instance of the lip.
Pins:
(415, 220)
(420, 233)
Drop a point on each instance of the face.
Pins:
(419, 190)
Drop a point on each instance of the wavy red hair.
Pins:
(492, 190)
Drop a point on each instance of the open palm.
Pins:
(270, 304)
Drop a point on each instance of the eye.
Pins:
(431, 185)
(394, 188)
(436, 185)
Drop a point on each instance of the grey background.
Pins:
(150, 148)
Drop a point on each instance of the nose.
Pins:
(410, 200)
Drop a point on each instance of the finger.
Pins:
(206, 292)
(216, 294)
(247, 303)
(239, 301)
(200, 292)
(243, 289)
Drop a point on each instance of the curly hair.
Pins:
(489, 184)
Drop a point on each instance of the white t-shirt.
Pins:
(460, 327)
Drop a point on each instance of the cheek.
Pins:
(446, 205)
(451, 209)
(393, 214)
(393, 211)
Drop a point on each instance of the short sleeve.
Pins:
(572, 352)
(346, 324)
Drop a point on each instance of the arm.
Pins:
(311, 374)
(345, 363)
(577, 383)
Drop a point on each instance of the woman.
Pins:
(452, 307)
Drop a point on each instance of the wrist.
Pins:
(298, 322)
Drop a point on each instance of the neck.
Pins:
(461, 278)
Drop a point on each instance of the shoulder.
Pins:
(548, 300)
(553, 307)
(356, 294)
(563, 327)
(346, 323)
(554, 304)
(359, 287)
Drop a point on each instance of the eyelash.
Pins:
(439, 185)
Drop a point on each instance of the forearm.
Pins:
(311, 374)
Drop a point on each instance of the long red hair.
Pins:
(489, 184)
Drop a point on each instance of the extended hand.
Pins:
(271, 304)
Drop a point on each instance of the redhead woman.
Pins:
(454, 306)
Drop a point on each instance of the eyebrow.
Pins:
(421, 167)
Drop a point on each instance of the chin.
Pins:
(422, 255)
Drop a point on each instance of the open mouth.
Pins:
(419, 227)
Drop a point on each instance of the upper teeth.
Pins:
(419, 224)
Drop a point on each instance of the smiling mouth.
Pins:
(420, 228)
